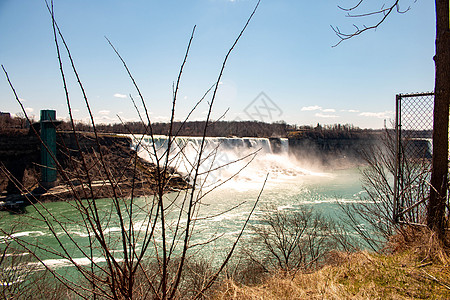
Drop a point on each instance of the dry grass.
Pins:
(418, 269)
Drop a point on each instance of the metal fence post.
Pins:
(397, 158)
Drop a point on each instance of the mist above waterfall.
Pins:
(238, 163)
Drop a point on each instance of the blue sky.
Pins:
(286, 54)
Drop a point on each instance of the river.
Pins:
(231, 191)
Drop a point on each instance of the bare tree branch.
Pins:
(383, 14)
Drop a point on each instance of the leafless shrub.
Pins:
(11, 273)
(245, 269)
(20, 278)
(374, 219)
(292, 240)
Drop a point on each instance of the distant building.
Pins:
(5, 115)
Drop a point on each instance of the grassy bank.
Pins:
(418, 269)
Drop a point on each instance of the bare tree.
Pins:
(152, 252)
(439, 175)
(292, 240)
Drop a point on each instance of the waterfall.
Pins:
(267, 145)
(241, 162)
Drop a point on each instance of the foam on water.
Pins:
(4, 238)
(61, 263)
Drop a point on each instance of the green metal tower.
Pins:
(48, 148)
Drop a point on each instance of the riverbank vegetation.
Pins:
(413, 269)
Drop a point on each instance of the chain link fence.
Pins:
(414, 129)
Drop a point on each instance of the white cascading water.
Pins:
(238, 163)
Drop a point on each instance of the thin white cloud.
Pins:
(379, 115)
(108, 118)
(350, 110)
(125, 119)
(105, 120)
(311, 108)
(104, 112)
(321, 115)
(29, 109)
(117, 95)
(22, 100)
(161, 118)
(319, 108)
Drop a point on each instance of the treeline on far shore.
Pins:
(230, 129)
(196, 128)
(18, 125)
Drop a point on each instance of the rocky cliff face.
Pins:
(20, 156)
(332, 150)
(87, 168)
